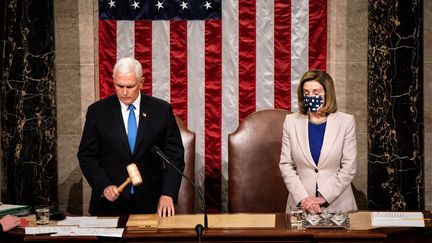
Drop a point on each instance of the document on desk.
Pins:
(99, 223)
(48, 230)
(107, 232)
(90, 222)
(69, 221)
(18, 210)
(74, 231)
(397, 219)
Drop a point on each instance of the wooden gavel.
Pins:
(134, 177)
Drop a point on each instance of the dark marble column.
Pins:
(395, 105)
(27, 103)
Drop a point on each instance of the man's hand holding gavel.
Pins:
(112, 192)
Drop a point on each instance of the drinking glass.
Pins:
(339, 218)
(325, 215)
(296, 218)
(312, 217)
(42, 213)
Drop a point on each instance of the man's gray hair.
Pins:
(127, 65)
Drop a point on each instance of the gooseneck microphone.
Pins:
(199, 228)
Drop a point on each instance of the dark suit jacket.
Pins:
(104, 154)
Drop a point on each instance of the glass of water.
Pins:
(312, 217)
(296, 216)
(42, 213)
(339, 217)
(326, 215)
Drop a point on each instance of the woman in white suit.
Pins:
(318, 157)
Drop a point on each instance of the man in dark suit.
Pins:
(112, 139)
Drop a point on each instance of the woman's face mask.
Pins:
(313, 95)
(313, 103)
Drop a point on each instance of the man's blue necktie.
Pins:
(132, 131)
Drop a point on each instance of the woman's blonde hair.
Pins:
(326, 81)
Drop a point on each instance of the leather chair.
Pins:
(186, 197)
(254, 178)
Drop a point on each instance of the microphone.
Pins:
(199, 228)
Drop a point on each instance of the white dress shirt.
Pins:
(125, 112)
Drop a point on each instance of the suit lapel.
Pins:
(143, 120)
(331, 132)
(119, 126)
(303, 138)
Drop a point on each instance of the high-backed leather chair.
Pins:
(186, 197)
(254, 178)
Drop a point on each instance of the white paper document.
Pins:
(90, 222)
(99, 223)
(80, 226)
(107, 232)
(74, 231)
(48, 230)
(74, 220)
(397, 219)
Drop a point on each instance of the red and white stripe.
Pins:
(216, 72)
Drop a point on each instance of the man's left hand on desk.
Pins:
(165, 206)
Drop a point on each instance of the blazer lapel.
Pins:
(119, 126)
(303, 138)
(331, 132)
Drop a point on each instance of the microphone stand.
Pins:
(199, 228)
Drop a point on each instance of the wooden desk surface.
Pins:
(282, 232)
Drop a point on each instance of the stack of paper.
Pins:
(18, 210)
(80, 226)
(74, 231)
(397, 219)
(89, 222)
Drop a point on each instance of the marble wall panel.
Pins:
(77, 84)
(89, 71)
(68, 91)
(427, 46)
(87, 24)
(359, 183)
(357, 105)
(66, 19)
(67, 32)
(336, 30)
(357, 20)
(356, 92)
(395, 105)
(428, 171)
(336, 46)
(75, 24)
(28, 103)
(70, 176)
(339, 76)
(347, 63)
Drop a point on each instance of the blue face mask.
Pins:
(313, 103)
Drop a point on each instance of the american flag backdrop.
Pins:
(216, 62)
